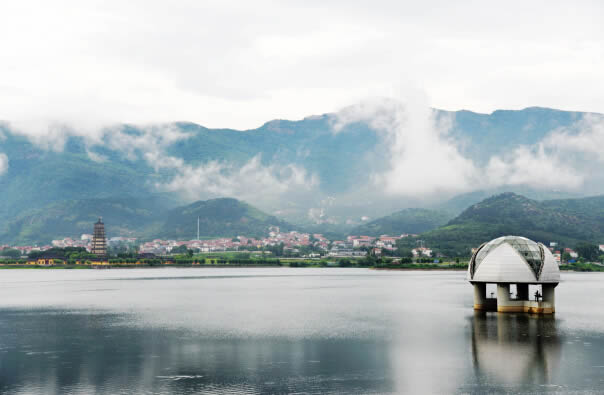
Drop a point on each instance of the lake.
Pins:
(287, 330)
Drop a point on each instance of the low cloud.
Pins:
(3, 163)
(252, 182)
(95, 157)
(148, 143)
(585, 137)
(566, 158)
(53, 135)
(131, 141)
(424, 160)
(536, 167)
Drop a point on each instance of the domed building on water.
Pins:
(514, 264)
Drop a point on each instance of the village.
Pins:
(276, 243)
(292, 243)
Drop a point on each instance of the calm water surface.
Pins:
(282, 330)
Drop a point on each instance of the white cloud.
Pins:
(3, 163)
(148, 143)
(585, 137)
(425, 161)
(91, 64)
(95, 157)
(536, 167)
(566, 158)
(252, 182)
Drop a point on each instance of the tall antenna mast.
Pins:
(197, 228)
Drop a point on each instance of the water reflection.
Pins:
(46, 352)
(515, 348)
(314, 331)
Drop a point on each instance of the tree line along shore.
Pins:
(76, 259)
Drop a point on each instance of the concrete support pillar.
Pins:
(480, 296)
(549, 295)
(504, 303)
(503, 294)
(523, 291)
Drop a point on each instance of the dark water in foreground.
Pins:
(288, 331)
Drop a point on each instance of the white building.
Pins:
(421, 251)
(514, 262)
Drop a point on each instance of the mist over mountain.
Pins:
(409, 220)
(367, 160)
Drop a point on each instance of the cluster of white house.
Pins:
(359, 245)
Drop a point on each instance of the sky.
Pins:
(240, 64)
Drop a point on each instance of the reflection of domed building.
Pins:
(515, 349)
(519, 262)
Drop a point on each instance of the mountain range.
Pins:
(311, 173)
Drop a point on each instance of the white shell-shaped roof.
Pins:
(513, 259)
(550, 271)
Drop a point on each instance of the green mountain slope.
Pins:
(459, 203)
(567, 221)
(223, 217)
(410, 220)
(71, 218)
(145, 218)
(37, 177)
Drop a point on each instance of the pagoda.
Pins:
(99, 244)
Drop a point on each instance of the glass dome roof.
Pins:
(532, 252)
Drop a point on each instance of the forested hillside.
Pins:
(142, 218)
(568, 221)
(223, 217)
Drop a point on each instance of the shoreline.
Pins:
(448, 269)
(239, 266)
(234, 266)
(107, 267)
